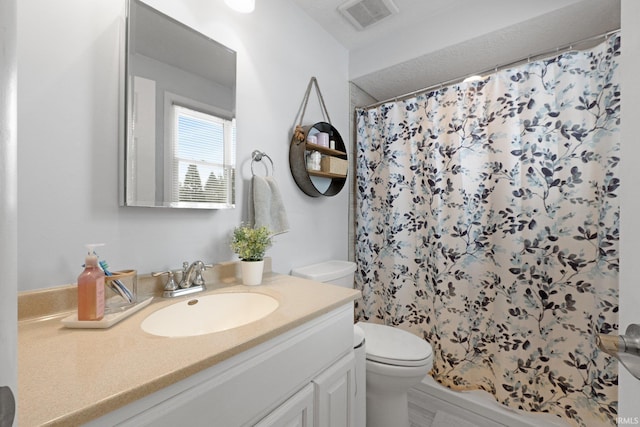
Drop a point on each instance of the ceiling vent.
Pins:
(364, 13)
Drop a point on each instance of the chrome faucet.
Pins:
(190, 282)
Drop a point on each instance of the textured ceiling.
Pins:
(526, 28)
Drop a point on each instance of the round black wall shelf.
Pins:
(298, 155)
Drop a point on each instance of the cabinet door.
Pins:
(335, 394)
(297, 411)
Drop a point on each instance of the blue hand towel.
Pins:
(268, 209)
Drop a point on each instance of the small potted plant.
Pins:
(250, 244)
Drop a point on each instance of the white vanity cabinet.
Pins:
(302, 377)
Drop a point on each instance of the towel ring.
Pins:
(257, 156)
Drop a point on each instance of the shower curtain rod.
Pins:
(495, 69)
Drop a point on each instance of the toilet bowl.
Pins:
(394, 360)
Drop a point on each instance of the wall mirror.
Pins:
(178, 145)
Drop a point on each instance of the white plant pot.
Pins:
(252, 272)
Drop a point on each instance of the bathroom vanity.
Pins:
(293, 367)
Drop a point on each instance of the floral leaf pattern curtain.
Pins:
(488, 223)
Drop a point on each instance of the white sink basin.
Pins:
(209, 313)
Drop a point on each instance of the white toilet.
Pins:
(396, 360)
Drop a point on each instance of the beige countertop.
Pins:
(70, 376)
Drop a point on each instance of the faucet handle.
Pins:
(198, 268)
(194, 275)
(171, 283)
(199, 280)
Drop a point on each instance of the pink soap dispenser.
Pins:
(91, 288)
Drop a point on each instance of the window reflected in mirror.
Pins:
(203, 150)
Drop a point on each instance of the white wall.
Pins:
(8, 207)
(68, 60)
(629, 387)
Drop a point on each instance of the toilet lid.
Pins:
(394, 346)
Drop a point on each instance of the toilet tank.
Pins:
(337, 272)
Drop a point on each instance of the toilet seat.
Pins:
(393, 346)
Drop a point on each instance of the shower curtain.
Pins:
(488, 222)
